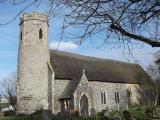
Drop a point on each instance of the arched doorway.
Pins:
(84, 106)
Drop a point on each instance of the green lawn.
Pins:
(14, 118)
(137, 112)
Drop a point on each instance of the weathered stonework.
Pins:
(32, 84)
(59, 86)
(110, 89)
(83, 88)
(93, 89)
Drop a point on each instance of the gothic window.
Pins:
(40, 34)
(103, 97)
(116, 97)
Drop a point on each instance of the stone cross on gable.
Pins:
(84, 72)
(84, 78)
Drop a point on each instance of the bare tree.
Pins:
(119, 20)
(153, 71)
(8, 87)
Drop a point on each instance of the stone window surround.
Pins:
(103, 97)
(117, 97)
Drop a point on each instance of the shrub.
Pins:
(75, 114)
(138, 112)
(40, 114)
(126, 115)
(113, 113)
(100, 115)
(9, 113)
(86, 118)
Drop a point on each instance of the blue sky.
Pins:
(9, 37)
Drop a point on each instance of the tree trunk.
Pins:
(156, 96)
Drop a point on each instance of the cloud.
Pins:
(64, 46)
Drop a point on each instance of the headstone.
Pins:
(93, 112)
(117, 117)
(46, 115)
(106, 113)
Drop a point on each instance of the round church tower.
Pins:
(32, 83)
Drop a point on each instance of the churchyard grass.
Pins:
(14, 118)
(137, 112)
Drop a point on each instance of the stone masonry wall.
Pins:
(32, 75)
(58, 86)
(93, 89)
(110, 89)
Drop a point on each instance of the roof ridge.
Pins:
(85, 57)
(69, 66)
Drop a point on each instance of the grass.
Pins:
(28, 118)
(137, 112)
(15, 118)
(158, 110)
(36, 117)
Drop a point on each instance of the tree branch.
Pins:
(136, 37)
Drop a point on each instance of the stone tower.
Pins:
(32, 83)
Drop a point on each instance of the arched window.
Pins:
(40, 34)
(116, 97)
(103, 97)
(21, 35)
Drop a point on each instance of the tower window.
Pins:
(21, 36)
(40, 34)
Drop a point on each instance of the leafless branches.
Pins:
(153, 71)
(8, 87)
(117, 20)
(21, 11)
(122, 19)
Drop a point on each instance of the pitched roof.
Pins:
(69, 90)
(70, 66)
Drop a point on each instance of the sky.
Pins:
(9, 41)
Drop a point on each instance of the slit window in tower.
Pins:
(21, 36)
(40, 34)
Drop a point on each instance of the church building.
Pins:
(59, 81)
